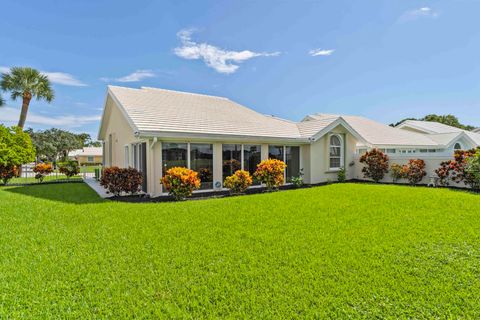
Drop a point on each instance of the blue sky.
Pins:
(385, 60)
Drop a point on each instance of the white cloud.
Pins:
(320, 52)
(221, 60)
(63, 78)
(419, 13)
(135, 76)
(11, 115)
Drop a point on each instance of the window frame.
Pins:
(340, 157)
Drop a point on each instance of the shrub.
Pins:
(180, 182)
(117, 180)
(298, 181)
(445, 172)
(42, 170)
(455, 170)
(376, 164)
(397, 172)
(69, 168)
(415, 171)
(239, 181)
(271, 173)
(341, 175)
(472, 169)
(7, 173)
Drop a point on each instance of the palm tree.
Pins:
(2, 102)
(26, 83)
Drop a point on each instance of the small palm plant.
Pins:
(26, 83)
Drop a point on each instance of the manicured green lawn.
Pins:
(339, 251)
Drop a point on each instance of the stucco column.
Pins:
(217, 166)
(264, 152)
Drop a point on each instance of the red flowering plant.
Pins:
(180, 182)
(8, 172)
(415, 171)
(117, 180)
(238, 182)
(42, 170)
(455, 170)
(271, 173)
(375, 164)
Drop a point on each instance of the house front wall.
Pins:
(85, 159)
(319, 161)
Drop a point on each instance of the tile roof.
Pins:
(157, 111)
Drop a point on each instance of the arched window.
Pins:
(457, 146)
(336, 152)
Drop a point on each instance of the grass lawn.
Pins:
(339, 251)
(89, 169)
(50, 178)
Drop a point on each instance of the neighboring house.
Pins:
(87, 155)
(155, 129)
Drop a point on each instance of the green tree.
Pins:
(53, 144)
(26, 83)
(2, 102)
(16, 147)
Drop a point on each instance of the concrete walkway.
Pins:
(95, 185)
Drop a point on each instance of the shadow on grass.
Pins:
(76, 193)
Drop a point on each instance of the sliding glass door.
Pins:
(231, 159)
(292, 159)
(201, 161)
(252, 156)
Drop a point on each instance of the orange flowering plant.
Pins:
(180, 182)
(238, 182)
(271, 173)
(42, 170)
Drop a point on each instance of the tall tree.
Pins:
(26, 83)
(2, 102)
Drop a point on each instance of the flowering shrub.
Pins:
(271, 173)
(455, 170)
(180, 182)
(8, 172)
(42, 170)
(117, 180)
(238, 182)
(397, 172)
(376, 164)
(472, 169)
(69, 168)
(415, 170)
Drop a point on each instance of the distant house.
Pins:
(154, 129)
(87, 155)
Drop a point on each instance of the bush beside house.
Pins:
(271, 173)
(238, 182)
(117, 180)
(180, 182)
(376, 165)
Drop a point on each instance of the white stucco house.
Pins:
(155, 129)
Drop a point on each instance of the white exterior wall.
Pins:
(318, 157)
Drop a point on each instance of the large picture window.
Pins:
(292, 159)
(201, 161)
(275, 152)
(231, 159)
(174, 155)
(252, 156)
(336, 152)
